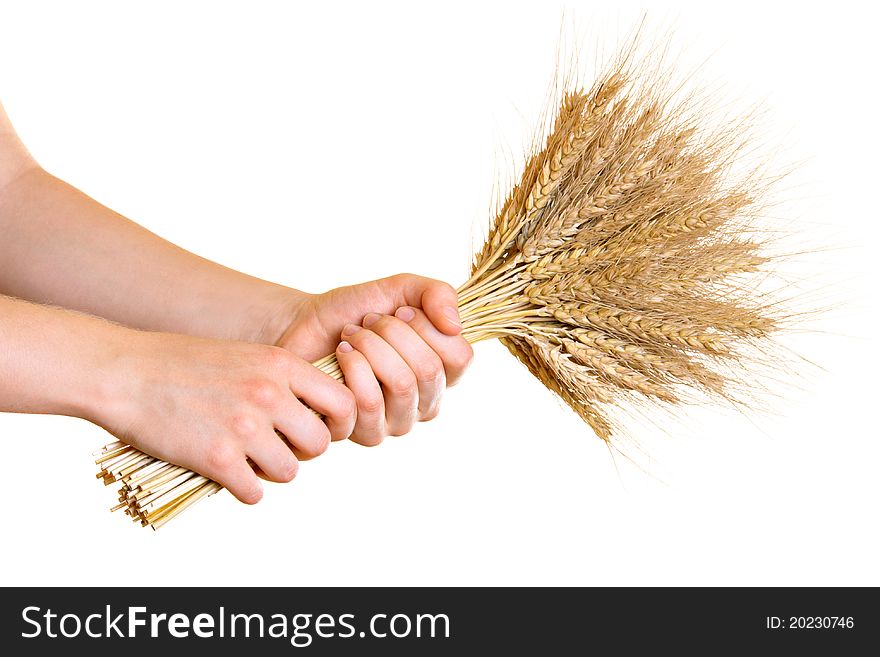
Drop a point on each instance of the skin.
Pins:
(196, 363)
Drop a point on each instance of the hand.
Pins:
(400, 347)
(210, 405)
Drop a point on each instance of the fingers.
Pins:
(323, 394)
(272, 455)
(410, 358)
(370, 427)
(228, 467)
(424, 363)
(399, 383)
(438, 299)
(440, 303)
(303, 429)
(455, 352)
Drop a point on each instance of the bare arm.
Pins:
(58, 246)
(54, 361)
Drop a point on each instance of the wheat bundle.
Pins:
(618, 269)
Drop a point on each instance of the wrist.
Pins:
(274, 314)
(111, 392)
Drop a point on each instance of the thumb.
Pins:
(438, 299)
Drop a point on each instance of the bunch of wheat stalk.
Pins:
(617, 270)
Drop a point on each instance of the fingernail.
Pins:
(452, 315)
(350, 329)
(345, 348)
(370, 319)
(405, 313)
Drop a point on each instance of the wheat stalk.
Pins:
(615, 270)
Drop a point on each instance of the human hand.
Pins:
(210, 405)
(400, 347)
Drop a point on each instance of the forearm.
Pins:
(61, 247)
(54, 361)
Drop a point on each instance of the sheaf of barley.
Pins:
(618, 269)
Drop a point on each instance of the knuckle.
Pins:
(342, 427)
(403, 384)
(446, 287)
(243, 425)
(263, 392)
(221, 457)
(370, 404)
(347, 405)
(431, 413)
(430, 371)
(278, 358)
(317, 442)
(461, 358)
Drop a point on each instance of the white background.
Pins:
(318, 144)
